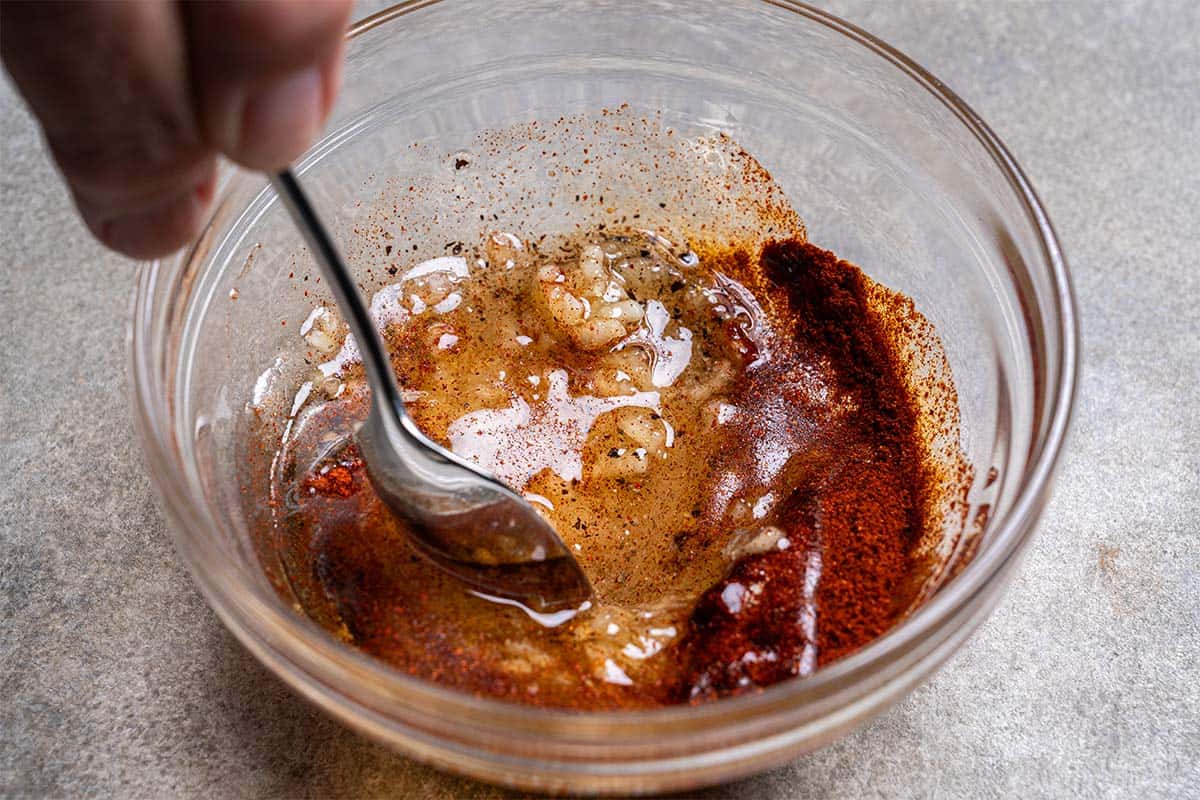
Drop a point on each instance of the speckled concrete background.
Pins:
(116, 679)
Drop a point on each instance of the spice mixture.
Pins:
(723, 434)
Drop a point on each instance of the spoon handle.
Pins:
(375, 359)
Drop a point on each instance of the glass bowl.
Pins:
(886, 166)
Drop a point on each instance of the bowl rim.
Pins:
(248, 616)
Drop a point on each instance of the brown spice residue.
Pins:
(860, 475)
(1106, 561)
(339, 480)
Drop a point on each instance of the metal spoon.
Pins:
(464, 520)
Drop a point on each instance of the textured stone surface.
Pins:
(117, 680)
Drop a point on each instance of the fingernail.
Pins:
(280, 119)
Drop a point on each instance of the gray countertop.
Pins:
(117, 680)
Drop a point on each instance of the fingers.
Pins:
(137, 98)
(264, 74)
(109, 84)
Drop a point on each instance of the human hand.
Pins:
(137, 99)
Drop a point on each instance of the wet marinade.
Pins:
(721, 434)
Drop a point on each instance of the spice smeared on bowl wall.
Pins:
(751, 447)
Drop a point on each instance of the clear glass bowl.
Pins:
(887, 167)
